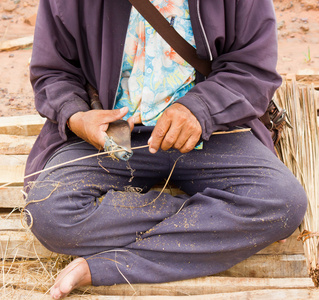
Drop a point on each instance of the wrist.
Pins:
(74, 119)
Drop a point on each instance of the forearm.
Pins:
(55, 75)
(243, 77)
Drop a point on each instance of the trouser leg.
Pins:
(241, 199)
(84, 203)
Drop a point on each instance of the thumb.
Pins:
(106, 117)
(117, 114)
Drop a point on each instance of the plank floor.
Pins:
(277, 272)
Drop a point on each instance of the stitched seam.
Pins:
(203, 34)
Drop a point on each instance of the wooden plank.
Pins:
(12, 168)
(15, 144)
(21, 244)
(268, 294)
(203, 285)
(210, 285)
(16, 242)
(24, 244)
(21, 125)
(11, 222)
(307, 78)
(11, 197)
(291, 246)
(295, 294)
(16, 43)
(275, 266)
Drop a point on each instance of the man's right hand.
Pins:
(91, 125)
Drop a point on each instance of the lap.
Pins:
(238, 163)
(240, 199)
(228, 185)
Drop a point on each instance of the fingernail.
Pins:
(123, 109)
(149, 140)
(152, 150)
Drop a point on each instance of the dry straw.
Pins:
(299, 150)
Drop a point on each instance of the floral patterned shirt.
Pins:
(153, 75)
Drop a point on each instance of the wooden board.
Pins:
(12, 168)
(204, 285)
(21, 244)
(15, 244)
(13, 235)
(16, 43)
(274, 266)
(15, 144)
(16, 241)
(307, 78)
(291, 246)
(11, 222)
(11, 197)
(295, 294)
(210, 287)
(21, 125)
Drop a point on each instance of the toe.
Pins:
(56, 293)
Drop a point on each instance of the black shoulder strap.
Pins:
(171, 36)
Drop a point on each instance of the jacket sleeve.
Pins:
(55, 72)
(243, 77)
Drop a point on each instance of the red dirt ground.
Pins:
(298, 36)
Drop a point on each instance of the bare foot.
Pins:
(76, 274)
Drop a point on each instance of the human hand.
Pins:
(91, 125)
(177, 128)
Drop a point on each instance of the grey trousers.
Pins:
(239, 199)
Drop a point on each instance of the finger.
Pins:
(189, 145)
(158, 134)
(183, 136)
(131, 122)
(100, 139)
(110, 116)
(172, 136)
(106, 117)
(96, 133)
(188, 138)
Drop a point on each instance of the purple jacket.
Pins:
(82, 40)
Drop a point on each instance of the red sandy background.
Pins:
(298, 36)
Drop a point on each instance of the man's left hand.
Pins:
(177, 128)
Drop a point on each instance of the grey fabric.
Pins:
(240, 198)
